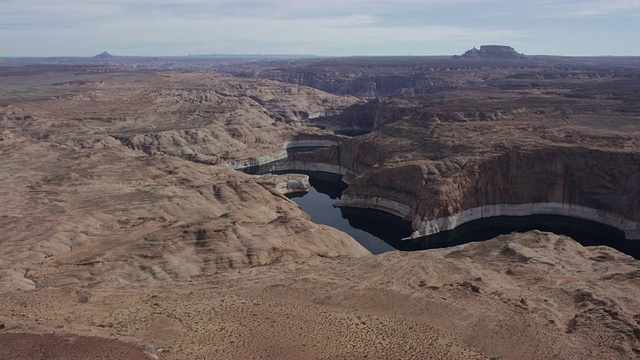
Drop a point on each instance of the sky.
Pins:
(325, 28)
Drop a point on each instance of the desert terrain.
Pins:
(128, 230)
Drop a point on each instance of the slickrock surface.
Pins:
(85, 203)
(524, 296)
(287, 183)
(438, 159)
(69, 347)
(124, 230)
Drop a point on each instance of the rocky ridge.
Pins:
(104, 205)
(492, 52)
(103, 55)
(500, 298)
(440, 163)
(122, 219)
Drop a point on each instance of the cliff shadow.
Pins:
(586, 232)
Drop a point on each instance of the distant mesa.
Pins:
(104, 55)
(492, 52)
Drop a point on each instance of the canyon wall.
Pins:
(440, 193)
(287, 183)
(301, 141)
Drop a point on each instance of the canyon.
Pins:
(126, 223)
(439, 169)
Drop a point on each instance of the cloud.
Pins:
(191, 26)
(329, 27)
(591, 8)
(52, 16)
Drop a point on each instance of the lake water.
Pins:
(369, 228)
(379, 232)
(587, 233)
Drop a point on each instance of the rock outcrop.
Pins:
(502, 298)
(444, 165)
(305, 140)
(123, 217)
(131, 184)
(103, 55)
(437, 195)
(492, 52)
(286, 184)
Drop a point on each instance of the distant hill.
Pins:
(492, 52)
(104, 55)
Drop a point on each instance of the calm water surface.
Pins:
(380, 232)
(368, 228)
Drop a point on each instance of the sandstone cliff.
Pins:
(105, 186)
(118, 239)
(492, 52)
(443, 163)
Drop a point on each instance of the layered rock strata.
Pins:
(145, 244)
(442, 174)
(509, 186)
(314, 167)
(301, 142)
(492, 52)
(87, 200)
(631, 229)
(286, 184)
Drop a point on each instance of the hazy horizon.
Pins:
(292, 56)
(330, 28)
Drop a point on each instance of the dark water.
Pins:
(351, 132)
(380, 232)
(587, 233)
(264, 169)
(369, 228)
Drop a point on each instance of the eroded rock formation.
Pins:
(127, 183)
(103, 55)
(492, 52)
(439, 167)
(123, 219)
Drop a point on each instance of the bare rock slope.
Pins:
(126, 232)
(531, 296)
(82, 204)
(443, 160)
(492, 52)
